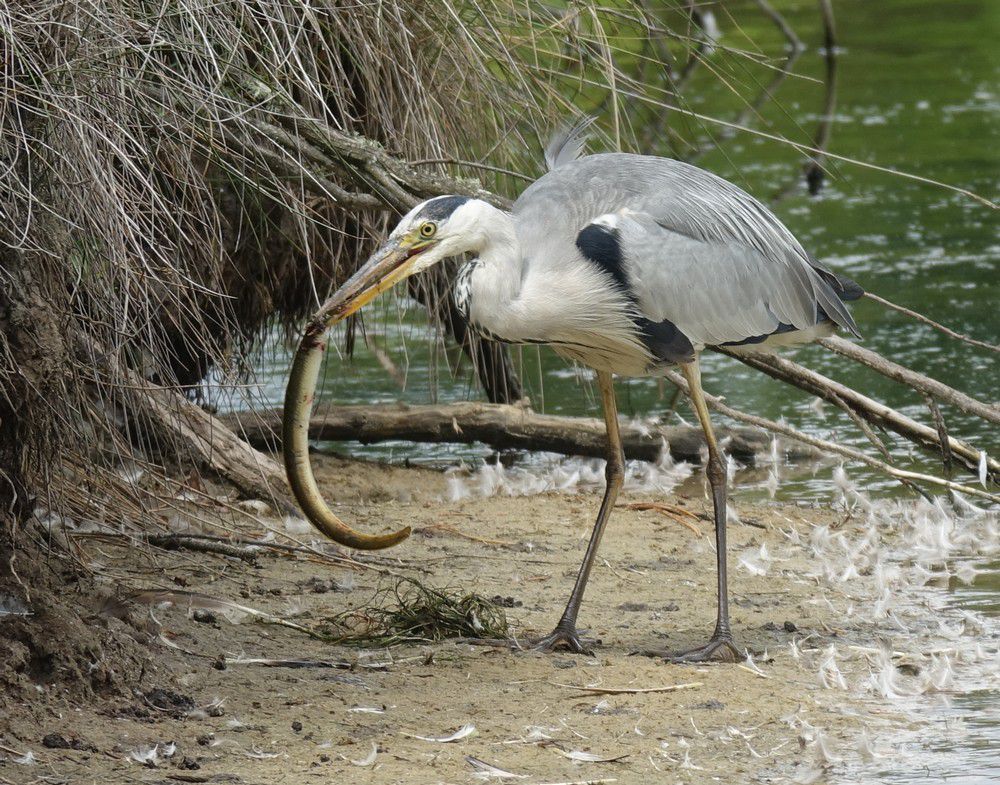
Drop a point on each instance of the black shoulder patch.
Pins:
(602, 246)
(665, 341)
(441, 207)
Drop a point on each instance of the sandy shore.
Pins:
(805, 706)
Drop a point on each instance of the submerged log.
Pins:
(868, 409)
(506, 427)
(911, 378)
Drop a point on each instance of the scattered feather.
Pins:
(486, 771)
(12, 606)
(296, 525)
(966, 573)
(752, 667)
(829, 672)
(866, 748)
(581, 756)
(809, 775)
(369, 759)
(822, 748)
(538, 733)
(257, 753)
(756, 562)
(255, 506)
(233, 612)
(464, 732)
(150, 756)
(939, 676)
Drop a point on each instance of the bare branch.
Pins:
(832, 448)
(900, 373)
(873, 411)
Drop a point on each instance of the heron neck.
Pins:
(495, 273)
(494, 276)
(500, 255)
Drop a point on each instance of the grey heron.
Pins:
(628, 264)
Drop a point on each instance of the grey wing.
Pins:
(713, 292)
(690, 229)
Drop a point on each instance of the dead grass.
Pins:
(165, 202)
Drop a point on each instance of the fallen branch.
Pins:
(343, 665)
(163, 416)
(628, 690)
(502, 427)
(790, 372)
(829, 447)
(173, 419)
(172, 542)
(917, 381)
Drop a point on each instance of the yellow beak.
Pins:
(384, 269)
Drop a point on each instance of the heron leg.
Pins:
(565, 633)
(720, 645)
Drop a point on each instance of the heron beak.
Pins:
(384, 269)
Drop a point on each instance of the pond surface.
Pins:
(917, 91)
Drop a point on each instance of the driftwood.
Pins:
(904, 375)
(912, 479)
(162, 418)
(869, 410)
(210, 444)
(505, 427)
(172, 420)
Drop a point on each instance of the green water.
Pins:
(918, 91)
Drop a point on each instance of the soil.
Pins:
(201, 715)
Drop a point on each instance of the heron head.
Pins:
(433, 230)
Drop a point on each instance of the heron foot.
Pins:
(721, 648)
(561, 637)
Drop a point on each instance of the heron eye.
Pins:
(428, 229)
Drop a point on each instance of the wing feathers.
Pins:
(700, 251)
(715, 292)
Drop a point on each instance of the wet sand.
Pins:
(798, 711)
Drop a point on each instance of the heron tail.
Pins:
(838, 290)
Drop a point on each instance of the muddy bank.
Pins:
(807, 704)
